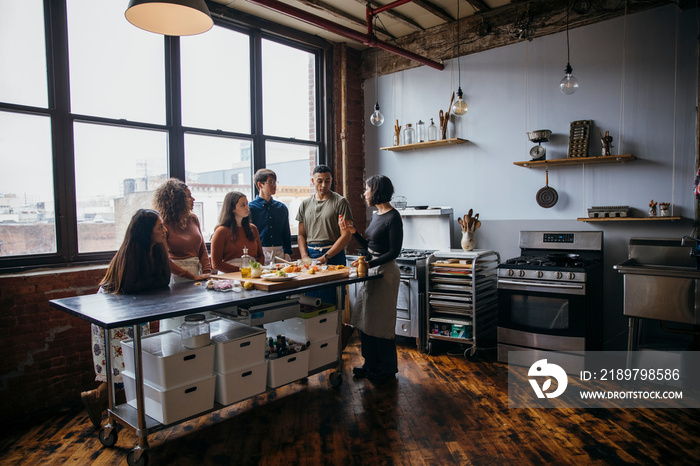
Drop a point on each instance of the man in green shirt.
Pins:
(320, 237)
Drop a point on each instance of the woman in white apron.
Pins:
(374, 310)
(189, 259)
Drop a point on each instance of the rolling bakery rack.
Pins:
(462, 298)
(110, 311)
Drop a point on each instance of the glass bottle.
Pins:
(420, 131)
(432, 131)
(282, 349)
(245, 263)
(409, 134)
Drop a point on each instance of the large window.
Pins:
(91, 124)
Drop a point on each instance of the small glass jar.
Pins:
(420, 131)
(432, 131)
(195, 331)
(409, 134)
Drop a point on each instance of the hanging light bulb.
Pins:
(459, 107)
(569, 84)
(376, 118)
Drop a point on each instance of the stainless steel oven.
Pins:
(550, 297)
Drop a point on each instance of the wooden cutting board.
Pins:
(304, 278)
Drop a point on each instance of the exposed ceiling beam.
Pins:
(392, 14)
(479, 5)
(434, 9)
(327, 8)
(367, 39)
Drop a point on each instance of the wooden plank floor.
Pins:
(442, 410)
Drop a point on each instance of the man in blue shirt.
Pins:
(271, 217)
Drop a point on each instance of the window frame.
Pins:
(62, 120)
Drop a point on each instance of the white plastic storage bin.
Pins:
(305, 330)
(174, 404)
(241, 384)
(287, 369)
(323, 352)
(258, 315)
(167, 363)
(236, 345)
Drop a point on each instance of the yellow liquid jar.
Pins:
(245, 263)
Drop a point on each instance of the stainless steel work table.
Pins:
(111, 311)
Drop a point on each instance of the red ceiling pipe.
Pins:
(367, 39)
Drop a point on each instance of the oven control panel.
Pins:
(558, 238)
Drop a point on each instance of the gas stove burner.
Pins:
(414, 253)
(551, 261)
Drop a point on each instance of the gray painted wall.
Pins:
(638, 80)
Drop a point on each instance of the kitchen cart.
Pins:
(462, 298)
(110, 311)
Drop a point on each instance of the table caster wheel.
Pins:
(336, 379)
(472, 356)
(110, 439)
(142, 461)
(431, 350)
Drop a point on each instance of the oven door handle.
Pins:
(520, 283)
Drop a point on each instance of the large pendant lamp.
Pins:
(170, 17)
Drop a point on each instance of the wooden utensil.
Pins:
(461, 223)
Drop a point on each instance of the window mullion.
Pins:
(173, 105)
(257, 103)
(61, 129)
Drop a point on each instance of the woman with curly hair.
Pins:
(189, 259)
(233, 233)
(140, 264)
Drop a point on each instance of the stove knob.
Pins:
(572, 275)
(540, 274)
(559, 275)
(521, 273)
(511, 272)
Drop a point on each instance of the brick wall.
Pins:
(45, 357)
(355, 135)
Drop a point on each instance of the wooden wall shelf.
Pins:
(577, 161)
(628, 219)
(425, 145)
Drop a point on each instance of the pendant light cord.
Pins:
(459, 67)
(568, 56)
(376, 69)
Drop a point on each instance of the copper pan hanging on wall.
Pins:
(547, 197)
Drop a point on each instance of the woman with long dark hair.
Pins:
(374, 310)
(140, 264)
(233, 233)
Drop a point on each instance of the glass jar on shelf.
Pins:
(432, 131)
(420, 131)
(409, 134)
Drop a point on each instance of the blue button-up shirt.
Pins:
(272, 220)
